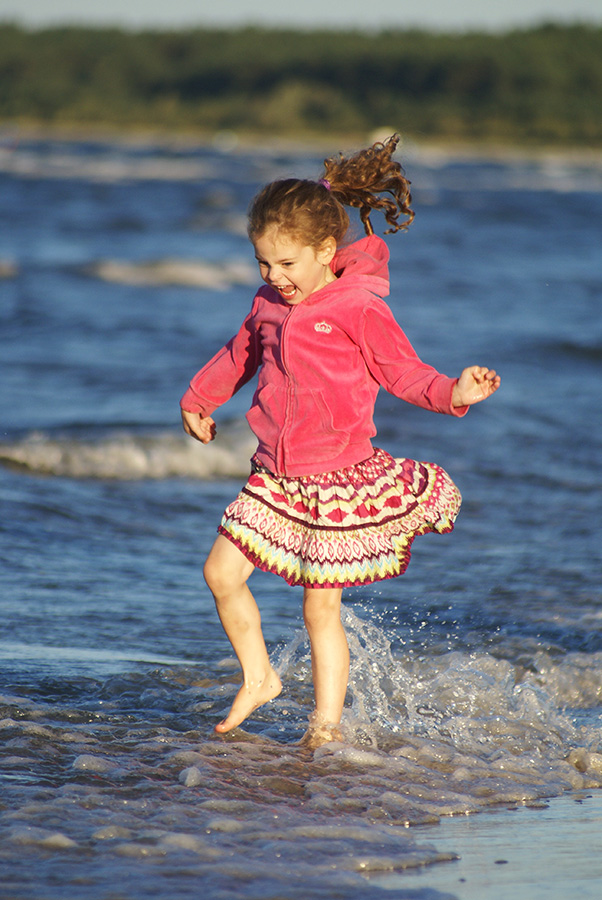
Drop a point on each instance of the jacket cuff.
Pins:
(457, 411)
(191, 402)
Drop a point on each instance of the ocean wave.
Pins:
(113, 166)
(506, 169)
(186, 273)
(132, 457)
(493, 168)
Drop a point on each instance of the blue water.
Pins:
(476, 677)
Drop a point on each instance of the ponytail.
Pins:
(358, 181)
(312, 211)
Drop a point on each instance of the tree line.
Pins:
(541, 84)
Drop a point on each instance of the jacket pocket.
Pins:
(313, 437)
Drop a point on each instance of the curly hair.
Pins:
(313, 211)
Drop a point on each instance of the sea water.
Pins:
(475, 700)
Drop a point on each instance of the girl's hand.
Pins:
(202, 429)
(476, 383)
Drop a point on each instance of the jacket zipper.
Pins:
(280, 453)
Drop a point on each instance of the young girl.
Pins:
(322, 507)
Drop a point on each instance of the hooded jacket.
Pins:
(321, 363)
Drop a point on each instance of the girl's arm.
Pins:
(397, 367)
(476, 383)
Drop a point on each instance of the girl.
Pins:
(322, 507)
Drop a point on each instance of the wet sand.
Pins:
(553, 852)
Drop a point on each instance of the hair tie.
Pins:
(325, 183)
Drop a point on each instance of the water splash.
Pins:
(472, 700)
(469, 714)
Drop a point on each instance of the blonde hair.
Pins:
(312, 211)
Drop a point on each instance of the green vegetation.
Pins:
(540, 85)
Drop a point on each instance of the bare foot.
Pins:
(249, 697)
(320, 733)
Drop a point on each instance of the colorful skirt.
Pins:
(344, 528)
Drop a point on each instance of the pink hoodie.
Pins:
(320, 365)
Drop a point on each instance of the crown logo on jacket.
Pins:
(323, 326)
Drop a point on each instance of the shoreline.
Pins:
(238, 141)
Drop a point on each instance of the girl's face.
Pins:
(292, 268)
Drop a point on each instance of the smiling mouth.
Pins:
(287, 292)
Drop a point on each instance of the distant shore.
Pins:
(532, 87)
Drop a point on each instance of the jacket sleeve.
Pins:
(231, 368)
(394, 363)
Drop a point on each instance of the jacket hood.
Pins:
(366, 262)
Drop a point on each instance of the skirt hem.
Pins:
(295, 581)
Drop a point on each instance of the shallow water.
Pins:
(476, 678)
(548, 850)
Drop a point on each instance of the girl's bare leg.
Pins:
(329, 654)
(226, 572)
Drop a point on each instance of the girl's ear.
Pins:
(325, 254)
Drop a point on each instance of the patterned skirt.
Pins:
(349, 527)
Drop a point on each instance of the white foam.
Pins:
(502, 169)
(111, 832)
(182, 272)
(41, 837)
(586, 762)
(112, 166)
(183, 841)
(190, 777)
(88, 763)
(128, 456)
